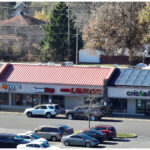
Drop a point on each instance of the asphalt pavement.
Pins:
(18, 123)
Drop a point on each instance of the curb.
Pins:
(134, 136)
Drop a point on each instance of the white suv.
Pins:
(47, 110)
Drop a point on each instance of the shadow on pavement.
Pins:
(111, 120)
(121, 140)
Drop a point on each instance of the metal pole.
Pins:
(77, 45)
(68, 30)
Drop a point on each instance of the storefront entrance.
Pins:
(48, 99)
(143, 106)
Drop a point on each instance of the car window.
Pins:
(37, 145)
(43, 107)
(30, 145)
(34, 136)
(37, 107)
(75, 136)
(101, 128)
(46, 129)
(78, 109)
(51, 107)
(112, 129)
(57, 107)
(25, 137)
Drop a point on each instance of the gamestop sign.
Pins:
(82, 91)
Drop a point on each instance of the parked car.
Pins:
(48, 132)
(109, 130)
(65, 129)
(47, 110)
(35, 145)
(95, 134)
(10, 140)
(96, 112)
(32, 137)
(79, 140)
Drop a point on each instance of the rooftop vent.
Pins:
(51, 63)
(67, 63)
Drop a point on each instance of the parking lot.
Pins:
(18, 123)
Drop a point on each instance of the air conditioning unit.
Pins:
(67, 63)
(51, 63)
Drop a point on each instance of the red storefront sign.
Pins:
(81, 91)
(42, 90)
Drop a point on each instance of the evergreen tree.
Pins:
(55, 43)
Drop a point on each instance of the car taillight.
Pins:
(54, 110)
(60, 135)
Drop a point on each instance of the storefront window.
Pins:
(4, 99)
(119, 105)
(25, 100)
(139, 106)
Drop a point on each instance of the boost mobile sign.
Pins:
(138, 93)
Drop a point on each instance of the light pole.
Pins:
(143, 55)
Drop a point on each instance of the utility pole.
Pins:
(77, 33)
(68, 31)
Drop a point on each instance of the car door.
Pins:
(78, 112)
(36, 110)
(77, 140)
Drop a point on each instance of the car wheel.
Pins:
(54, 138)
(88, 145)
(93, 118)
(48, 115)
(69, 116)
(66, 143)
(29, 114)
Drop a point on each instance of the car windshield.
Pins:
(35, 136)
(86, 136)
(45, 145)
(64, 126)
(18, 138)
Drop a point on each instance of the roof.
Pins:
(131, 77)
(10, 36)
(21, 20)
(44, 74)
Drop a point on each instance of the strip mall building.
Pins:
(24, 86)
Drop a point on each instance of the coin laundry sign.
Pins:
(81, 91)
(138, 93)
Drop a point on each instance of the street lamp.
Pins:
(143, 55)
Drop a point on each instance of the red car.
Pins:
(109, 130)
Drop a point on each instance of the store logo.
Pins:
(138, 93)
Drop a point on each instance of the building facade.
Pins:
(129, 92)
(28, 85)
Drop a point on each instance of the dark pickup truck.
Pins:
(95, 112)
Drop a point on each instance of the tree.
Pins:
(144, 20)
(42, 15)
(55, 43)
(114, 26)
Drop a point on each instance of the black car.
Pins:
(66, 129)
(11, 140)
(96, 134)
(96, 112)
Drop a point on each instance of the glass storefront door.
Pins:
(147, 107)
(140, 105)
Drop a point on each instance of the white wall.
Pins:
(71, 102)
(89, 56)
